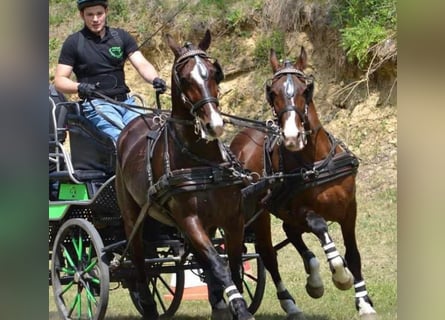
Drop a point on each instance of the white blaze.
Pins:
(290, 129)
(215, 118)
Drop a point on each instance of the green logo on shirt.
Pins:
(116, 52)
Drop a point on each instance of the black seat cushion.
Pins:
(91, 149)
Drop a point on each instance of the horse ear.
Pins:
(301, 63)
(173, 45)
(273, 60)
(205, 42)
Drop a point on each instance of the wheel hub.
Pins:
(77, 277)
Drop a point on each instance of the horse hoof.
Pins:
(347, 284)
(296, 316)
(246, 317)
(222, 314)
(315, 292)
(369, 316)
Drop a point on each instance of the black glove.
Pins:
(159, 85)
(86, 90)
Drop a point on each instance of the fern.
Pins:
(362, 24)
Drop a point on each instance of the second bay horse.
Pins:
(317, 184)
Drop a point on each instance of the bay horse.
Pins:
(315, 183)
(175, 169)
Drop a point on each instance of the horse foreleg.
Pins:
(129, 210)
(234, 246)
(219, 272)
(341, 276)
(314, 282)
(220, 309)
(363, 302)
(264, 247)
(146, 298)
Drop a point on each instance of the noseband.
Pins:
(203, 71)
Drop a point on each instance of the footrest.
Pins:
(81, 175)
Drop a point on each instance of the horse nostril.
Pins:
(215, 131)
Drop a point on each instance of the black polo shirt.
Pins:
(99, 60)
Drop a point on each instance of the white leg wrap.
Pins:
(232, 293)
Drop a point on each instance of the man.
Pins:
(96, 54)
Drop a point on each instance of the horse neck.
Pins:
(180, 109)
(319, 145)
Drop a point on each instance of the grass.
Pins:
(376, 235)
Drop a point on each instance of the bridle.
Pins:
(198, 55)
(290, 90)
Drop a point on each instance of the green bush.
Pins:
(119, 10)
(275, 40)
(362, 24)
(53, 47)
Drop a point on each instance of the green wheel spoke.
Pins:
(74, 304)
(68, 257)
(68, 286)
(88, 291)
(90, 266)
(79, 305)
(95, 280)
(76, 247)
(90, 296)
(69, 271)
(90, 310)
(79, 253)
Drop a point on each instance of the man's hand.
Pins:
(159, 85)
(86, 90)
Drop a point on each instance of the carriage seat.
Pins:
(92, 153)
(91, 149)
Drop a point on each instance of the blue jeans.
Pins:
(120, 116)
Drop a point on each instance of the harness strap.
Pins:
(152, 136)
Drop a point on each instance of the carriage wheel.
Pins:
(166, 291)
(79, 275)
(254, 281)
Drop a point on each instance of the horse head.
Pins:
(195, 79)
(290, 94)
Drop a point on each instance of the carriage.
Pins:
(86, 235)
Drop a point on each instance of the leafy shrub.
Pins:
(275, 40)
(119, 10)
(362, 24)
